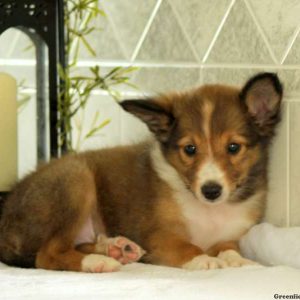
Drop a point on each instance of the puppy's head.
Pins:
(216, 137)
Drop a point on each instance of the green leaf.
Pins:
(113, 71)
(88, 46)
(95, 70)
(61, 72)
(96, 129)
(99, 11)
(132, 85)
(28, 47)
(128, 70)
(89, 30)
(95, 119)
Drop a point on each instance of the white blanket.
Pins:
(271, 245)
(138, 281)
(265, 243)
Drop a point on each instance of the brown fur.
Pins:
(125, 195)
(223, 246)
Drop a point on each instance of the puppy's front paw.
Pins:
(234, 259)
(96, 263)
(205, 262)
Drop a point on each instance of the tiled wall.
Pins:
(179, 44)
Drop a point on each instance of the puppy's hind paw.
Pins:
(120, 248)
(95, 263)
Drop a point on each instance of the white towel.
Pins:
(271, 245)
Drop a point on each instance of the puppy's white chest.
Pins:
(210, 224)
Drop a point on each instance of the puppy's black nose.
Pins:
(211, 191)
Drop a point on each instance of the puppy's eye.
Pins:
(190, 150)
(233, 148)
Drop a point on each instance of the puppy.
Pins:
(186, 196)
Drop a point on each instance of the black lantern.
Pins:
(43, 22)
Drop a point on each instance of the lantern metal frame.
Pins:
(43, 22)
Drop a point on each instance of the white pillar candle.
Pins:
(8, 132)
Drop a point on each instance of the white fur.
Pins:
(234, 259)
(207, 110)
(204, 262)
(211, 172)
(167, 172)
(96, 263)
(207, 223)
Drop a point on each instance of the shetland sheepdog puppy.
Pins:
(183, 198)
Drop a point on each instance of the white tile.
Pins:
(103, 40)
(276, 212)
(16, 44)
(239, 40)
(291, 81)
(129, 18)
(27, 137)
(109, 135)
(293, 56)
(279, 20)
(165, 40)
(133, 130)
(157, 80)
(295, 164)
(232, 76)
(238, 76)
(200, 20)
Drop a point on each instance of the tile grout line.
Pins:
(261, 31)
(154, 64)
(217, 33)
(146, 30)
(294, 98)
(288, 166)
(184, 32)
(290, 45)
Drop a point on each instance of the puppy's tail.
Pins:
(9, 253)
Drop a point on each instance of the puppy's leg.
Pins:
(58, 252)
(120, 248)
(230, 253)
(58, 255)
(171, 250)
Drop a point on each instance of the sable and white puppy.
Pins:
(186, 196)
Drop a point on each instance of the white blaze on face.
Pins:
(207, 111)
(211, 172)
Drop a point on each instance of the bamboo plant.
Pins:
(79, 19)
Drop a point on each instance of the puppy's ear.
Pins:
(159, 119)
(262, 95)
